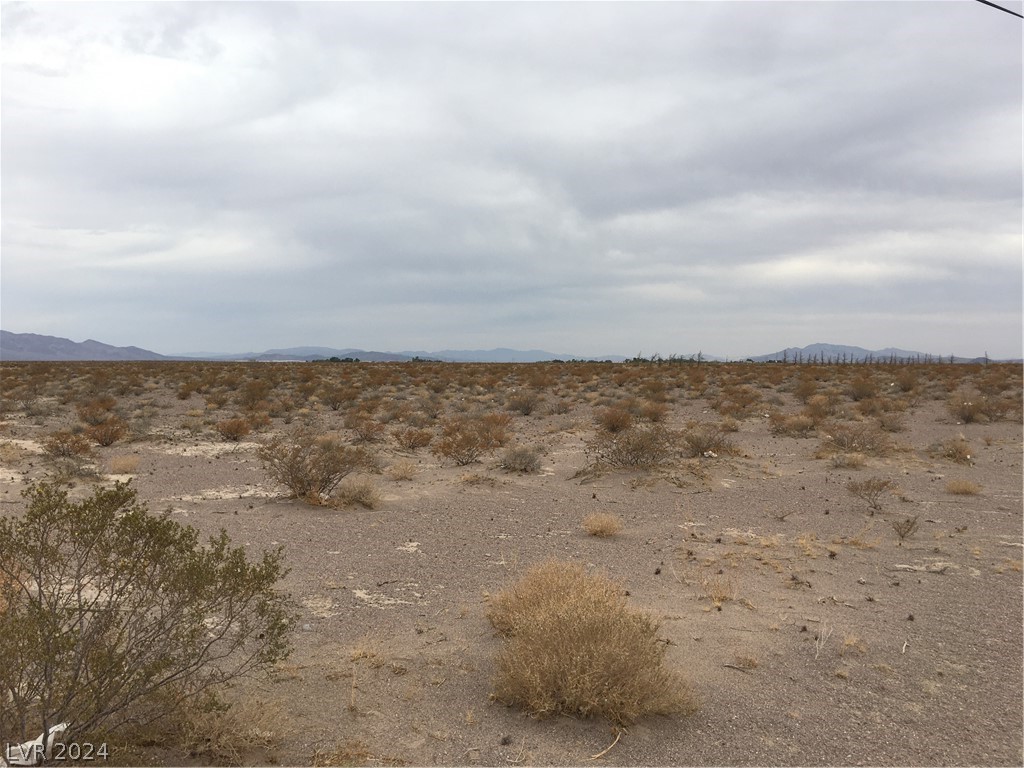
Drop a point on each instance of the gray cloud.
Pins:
(590, 178)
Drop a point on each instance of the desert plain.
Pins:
(833, 553)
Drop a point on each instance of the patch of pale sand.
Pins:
(121, 478)
(409, 546)
(32, 446)
(208, 448)
(320, 606)
(382, 601)
(9, 476)
(231, 492)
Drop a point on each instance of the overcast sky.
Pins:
(731, 177)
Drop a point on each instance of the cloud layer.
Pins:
(585, 178)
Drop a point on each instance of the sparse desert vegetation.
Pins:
(619, 543)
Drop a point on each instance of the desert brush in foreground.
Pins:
(572, 646)
(112, 616)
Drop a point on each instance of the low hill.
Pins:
(33, 346)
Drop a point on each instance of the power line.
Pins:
(986, 2)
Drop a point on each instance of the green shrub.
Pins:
(310, 465)
(104, 607)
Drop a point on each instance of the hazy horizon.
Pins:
(588, 179)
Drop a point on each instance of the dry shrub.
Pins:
(521, 459)
(123, 465)
(719, 590)
(906, 379)
(107, 432)
(402, 470)
(957, 449)
(602, 524)
(862, 388)
(805, 389)
(573, 646)
(97, 410)
(892, 422)
(63, 444)
(226, 735)
(867, 439)
(708, 440)
(524, 402)
(848, 461)
(820, 407)
(871, 490)
(798, 425)
(351, 752)
(614, 420)
(410, 438)
(233, 430)
(367, 430)
(310, 465)
(465, 440)
(352, 493)
(872, 406)
(634, 447)
(963, 488)
(654, 412)
(973, 407)
(736, 401)
(493, 428)
(905, 527)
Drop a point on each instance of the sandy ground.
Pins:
(811, 633)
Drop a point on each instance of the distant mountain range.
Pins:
(32, 346)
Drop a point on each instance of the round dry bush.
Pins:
(573, 646)
(614, 420)
(352, 493)
(521, 459)
(962, 488)
(602, 525)
(233, 430)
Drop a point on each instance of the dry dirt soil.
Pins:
(811, 633)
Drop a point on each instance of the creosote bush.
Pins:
(637, 447)
(64, 443)
(106, 607)
(309, 464)
(572, 646)
(107, 432)
(464, 440)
